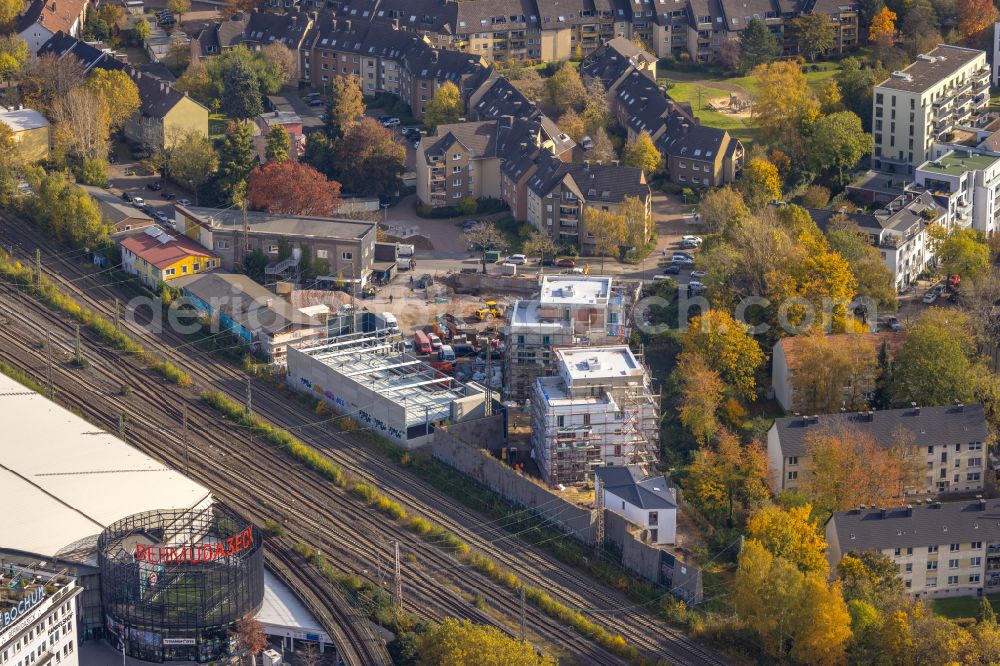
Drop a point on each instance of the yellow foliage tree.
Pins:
(726, 347)
(791, 534)
(701, 392)
(882, 31)
(784, 105)
(760, 183)
(462, 643)
(825, 625)
(118, 94)
(642, 154)
(728, 480)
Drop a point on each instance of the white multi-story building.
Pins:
(996, 54)
(570, 311)
(38, 618)
(923, 103)
(969, 180)
(647, 503)
(597, 410)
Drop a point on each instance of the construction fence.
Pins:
(459, 445)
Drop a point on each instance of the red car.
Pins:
(566, 263)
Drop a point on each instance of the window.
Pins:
(793, 476)
(953, 547)
(930, 449)
(976, 545)
(654, 535)
(793, 460)
(932, 566)
(222, 245)
(909, 551)
(931, 549)
(932, 582)
(952, 564)
(973, 578)
(958, 447)
(322, 254)
(975, 462)
(972, 476)
(654, 518)
(197, 267)
(171, 271)
(975, 446)
(272, 249)
(976, 561)
(896, 552)
(560, 421)
(347, 256)
(909, 567)
(953, 580)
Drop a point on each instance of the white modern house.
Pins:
(647, 503)
(969, 180)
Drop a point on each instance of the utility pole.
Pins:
(118, 316)
(184, 433)
(38, 268)
(78, 356)
(398, 579)
(522, 613)
(121, 426)
(48, 353)
(599, 505)
(249, 400)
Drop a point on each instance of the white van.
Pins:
(390, 322)
(446, 353)
(404, 250)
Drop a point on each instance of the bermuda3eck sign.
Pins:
(196, 554)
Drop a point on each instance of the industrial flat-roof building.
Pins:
(371, 379)
(598, 410)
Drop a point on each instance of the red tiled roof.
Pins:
(163, 255)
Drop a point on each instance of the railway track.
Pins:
(564, 583)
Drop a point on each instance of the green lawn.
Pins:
(958, 607)
(217, 124)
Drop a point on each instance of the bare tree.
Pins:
(81, 126)
(538, 245)
(283, 58)
(49, 78)
(252, 639)
(309, 656)
(485, 237)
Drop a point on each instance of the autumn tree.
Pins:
(81, 124)
(759, 183)
(641, 153)
(141, 30)
(814, 33)
(638, 225)
(839, 142)
(278, 144)
(938, 362)
(367, 161)
(758, 45)
(603, 150)
(462, 643)
(701, 391)
(792, 534)
(293, 188)
(571, 123)
(565, 89)
(829, 98)
(345, 105)
(840, 369)
(848, 468)
(192, 160)
(283, 59)
(874, 279)
(608, 229)
(118, 94)
(727, 348)
(445, 106)
(728, 480)
(975, 17)
(251, 637)
(722, 209)
(241, 98)
(196, 81)
(64, 211)
(784, 105)
(963, 251)
(596, 115)
(815, 196)
(882, 31)
(9, 11)
(538, 245)
(180, 8)
(14, 55)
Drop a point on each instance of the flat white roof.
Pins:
(20, 120)
(574, 289)
(282, 610)
(65, 480)
(598, 362)
(528, 313)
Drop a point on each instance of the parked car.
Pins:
(446, 353)
(315, 102)
(390, 122)
(183, 202)
(930, 297)
(587, 143)
(683, 259)
(517, 259)
(688, 244)
(436, 344)
(698, 274)
(566, 263)
(155, 187)
(468, 225)
(127, 197)
(463, 350)
(425, 281)
(672, 270)
(169, 196)
(694, 239)
(894, 324)
(383, 118)
(695, 287)
(138, 202)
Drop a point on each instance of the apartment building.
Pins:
(559, 194)
(899, 229)
(852, 390)
(949, 441)
(648, 503)
(916, 106)
(942, 549)
(570, 311)
(38, 613)
(598, 409)
(969, 182)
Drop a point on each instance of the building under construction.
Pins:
(597, 410)
(570, 311)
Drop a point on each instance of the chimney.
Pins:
(982, 504)
(395, 24)
(909, 509)
(916, 408)
(52, 7)
(347, 24)
(506, 121)
(333, 24)
(434, 56)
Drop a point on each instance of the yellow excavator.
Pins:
(489, 312)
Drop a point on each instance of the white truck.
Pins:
(404, 250)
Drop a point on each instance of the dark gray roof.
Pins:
(230, 32)
(266, 27)
(901, 215)
(613, 59)
(736, 14)
(645, 102)
(919, 526)
(594, 182)
(626, 482)
(932, 67)
(929, 426)
(503, 99)
(64, 45)
(494, 16)
(373, 39)
(480, 137)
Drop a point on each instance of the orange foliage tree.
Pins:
(975, 16)
(293, 188)
(882, 31)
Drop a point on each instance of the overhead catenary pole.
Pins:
(48, 353)
(77, 355)
(249, 399)
(599, 505)
(121, 426)
(38, 268)
(118, 316)
(397, 579)
(184, 431)
(522, 613)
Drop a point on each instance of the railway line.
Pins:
(564, 583)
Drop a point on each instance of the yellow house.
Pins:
(165, 113)
(31, 132)
(157, 256)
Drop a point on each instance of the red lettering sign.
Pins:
(195, 554)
